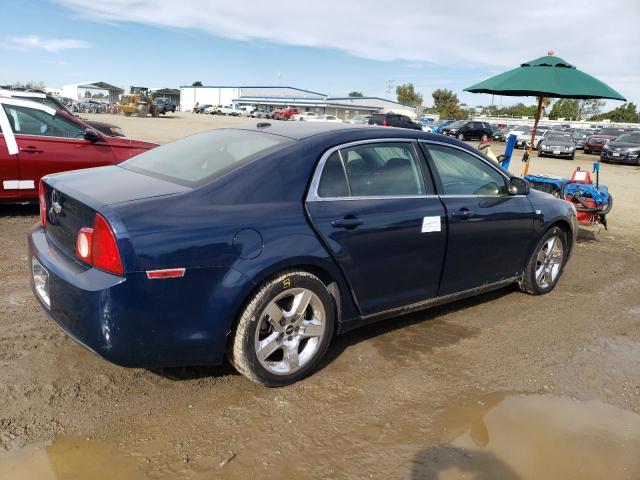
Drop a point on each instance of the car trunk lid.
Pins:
(73, 198)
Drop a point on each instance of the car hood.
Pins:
(102, 186)
(625, 145)
(602, 137)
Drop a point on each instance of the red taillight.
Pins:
(43, 204)
(97, 246)
(385, 123)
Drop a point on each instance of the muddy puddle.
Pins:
(533, 437)
(488, 437)
(69, 458)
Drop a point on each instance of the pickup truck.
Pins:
(164, 105)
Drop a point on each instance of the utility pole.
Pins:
(389, 86)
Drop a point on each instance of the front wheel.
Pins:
(545, 265)
(284, 331)
(460, 137)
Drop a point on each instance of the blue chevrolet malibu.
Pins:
(262, 243)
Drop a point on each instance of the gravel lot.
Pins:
(506, 384)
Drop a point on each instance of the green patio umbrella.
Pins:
(547, 76)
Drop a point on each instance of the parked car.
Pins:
(580, 137)
(360, 120)
(274, 260)
(260, 114)
(230, 110)
(53, 102)
(557, 145)
(468, 130)
(423, 125)
(285, 113)
(164, 105)
(304, 116)
(497, 133)
(212, 110)
(37, 140)
(201, 108)
(596, 141)
(324, 118)
(516, 130)
(393, 120)
(623, 149)
(437, 127)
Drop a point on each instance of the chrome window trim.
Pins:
(312, 195)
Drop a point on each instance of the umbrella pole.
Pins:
(533, 136)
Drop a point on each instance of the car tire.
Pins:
(275, 344)
(460, 137)
(609, 205)
(587, 152)
(484, 137)
(572, 157)
(544, 268)
(540, 154)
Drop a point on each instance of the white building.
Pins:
(273, 97)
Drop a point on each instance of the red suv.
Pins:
(285, 113)
(36, 140)
(595, 142)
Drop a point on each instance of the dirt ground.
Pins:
(504, 385)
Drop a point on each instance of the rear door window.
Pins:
(374, 170)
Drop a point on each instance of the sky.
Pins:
(333, 46)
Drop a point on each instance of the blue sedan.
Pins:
(262, 243)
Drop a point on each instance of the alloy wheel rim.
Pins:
(549, 262)
(290, 331)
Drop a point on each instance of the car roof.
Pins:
(301, 130)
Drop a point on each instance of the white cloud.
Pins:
(52, 45)
(498, 35)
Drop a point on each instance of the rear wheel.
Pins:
(284, 331)
(545, 265)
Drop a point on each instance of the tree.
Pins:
(30, 85)
(447, 105)
(591, 108)
(356, 94)
(566, 108)
(197, 83)
(625, 113)
(407, 95)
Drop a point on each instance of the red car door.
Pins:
(9, 173)
(50, 144)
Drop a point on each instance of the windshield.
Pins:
(457, 124)
(558, 138)
(610, 131)
(196, 159)
(633, 137)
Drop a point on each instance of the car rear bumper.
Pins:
(136, 322)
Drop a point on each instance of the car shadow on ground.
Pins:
(444, 334)
(430, 463)
(587, 235)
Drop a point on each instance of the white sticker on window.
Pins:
(430, 224)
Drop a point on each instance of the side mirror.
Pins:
(91, 135)
(518, 186)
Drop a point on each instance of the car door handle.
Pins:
(463, 214)
(349, 222)
(31, 149)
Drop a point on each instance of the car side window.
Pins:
(29, 121)
(462, 173)
(333, 182)
(383, 169)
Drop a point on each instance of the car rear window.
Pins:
(197, 159)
